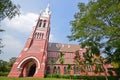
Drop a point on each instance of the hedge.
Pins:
(78, 77)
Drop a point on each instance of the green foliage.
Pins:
(8, 9)
(110, 72)
(69, 68)
(5, 66)
(78, 77)
(52, 61)
(6, 78)
(61, 57)
(97, 25)
(3, 73)
(11, 61)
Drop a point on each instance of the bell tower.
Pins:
(32, 60)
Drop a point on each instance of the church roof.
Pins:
(56, 47)
(66, 61)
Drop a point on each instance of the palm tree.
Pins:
(61, 58)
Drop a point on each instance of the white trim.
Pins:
(31, 57)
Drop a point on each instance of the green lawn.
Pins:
(6, 78)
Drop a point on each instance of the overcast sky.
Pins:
(19, 28)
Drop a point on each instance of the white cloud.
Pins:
(22, 23)
(12, 47)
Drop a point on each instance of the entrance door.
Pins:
(32, 70)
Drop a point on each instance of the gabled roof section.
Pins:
(56, 47)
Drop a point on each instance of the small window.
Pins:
(42, 35)
(40, 23)
(75, 70)
(89, 67)
(44, 24)
(38, 36)
(54, 70)
(58, 70)
(65, 70)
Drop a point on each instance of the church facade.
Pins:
(35, 58)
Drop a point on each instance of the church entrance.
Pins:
(28, 69)
(32, 70)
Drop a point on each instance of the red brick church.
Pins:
(34, 59)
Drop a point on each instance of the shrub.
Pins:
(3, 73)
(78, 77)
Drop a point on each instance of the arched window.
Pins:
(75, 70)
(78, 70)
(48, 70)
(42, 35)
(65, 70)
(44, 24)
(58, 70)
(40, 23)
(54, 70)
(38, 35)
(35, 35)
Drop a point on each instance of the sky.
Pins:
(19, 28)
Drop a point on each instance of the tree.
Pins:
(98, 23)
(61, 58)
(4, 67)
(11, 61)
(8, 9)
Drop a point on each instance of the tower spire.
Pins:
(46, 12)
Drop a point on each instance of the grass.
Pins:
(6, 78)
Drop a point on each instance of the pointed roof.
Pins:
(46, 12)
